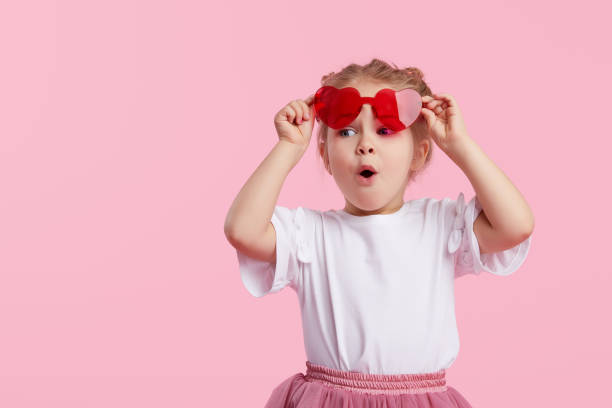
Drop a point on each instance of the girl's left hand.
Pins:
(444, 119)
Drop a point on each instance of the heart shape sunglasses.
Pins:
(338, 107)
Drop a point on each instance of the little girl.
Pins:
(375, 280)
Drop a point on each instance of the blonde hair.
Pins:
(379, 71)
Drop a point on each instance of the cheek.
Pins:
(334, 151)
(340, 158)
(399, 156)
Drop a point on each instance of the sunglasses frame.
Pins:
(395, 109)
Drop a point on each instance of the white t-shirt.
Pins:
(376, 292)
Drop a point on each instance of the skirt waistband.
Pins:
(376, 383)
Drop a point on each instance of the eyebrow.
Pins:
(376, 120)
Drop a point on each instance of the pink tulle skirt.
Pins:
(324, 387)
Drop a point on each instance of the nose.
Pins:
(366, 144)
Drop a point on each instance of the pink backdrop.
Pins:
(128, 127)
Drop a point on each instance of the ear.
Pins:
(420, 154)
(324, 156)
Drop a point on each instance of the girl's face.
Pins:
(367, 141)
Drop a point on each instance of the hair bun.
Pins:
(415, 72)
(325, 78)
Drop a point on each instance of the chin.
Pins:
(368, 199)
(369, 203)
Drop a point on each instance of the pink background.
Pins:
(128, 127)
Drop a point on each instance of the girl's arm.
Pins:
(506, 219)
(249, 216)
(248, 225)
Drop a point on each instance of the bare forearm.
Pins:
(502, 203)
(252, 209)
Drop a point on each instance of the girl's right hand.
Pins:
(294, 122)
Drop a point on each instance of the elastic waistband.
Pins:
(376, 383)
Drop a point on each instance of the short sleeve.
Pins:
(463, 243)
(292, 249)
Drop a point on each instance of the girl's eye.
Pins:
(386, 133)
(341, 132)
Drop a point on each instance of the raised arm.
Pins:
(506, 218)
(248, 219)
(248, 224)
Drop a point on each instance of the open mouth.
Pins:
(366, 177)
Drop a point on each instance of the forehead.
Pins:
(369, 87)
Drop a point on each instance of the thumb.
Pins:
(311, 113)
(429, 118)
(311, 117)
(309, 100)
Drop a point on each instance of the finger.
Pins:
(428, 117)
(297, 105)
(309, 100)
(289, 113)
(436, 108)
(307, 110)
(298, 111)
(447, 97)
(433, 103)
(303, 110)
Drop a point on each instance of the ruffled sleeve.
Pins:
(293, 248)
(463, 243)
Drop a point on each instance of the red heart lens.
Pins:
(395, 109)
